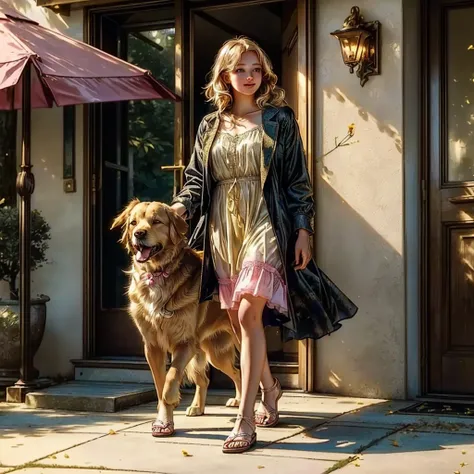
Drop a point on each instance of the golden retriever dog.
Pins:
(164, 304)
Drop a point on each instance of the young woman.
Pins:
(248, 177)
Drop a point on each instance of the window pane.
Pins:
(460, 87)
(151, 123)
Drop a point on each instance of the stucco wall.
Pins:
(360, 207)
(61, 279)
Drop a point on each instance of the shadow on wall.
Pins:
(360, 246)
(366, 356)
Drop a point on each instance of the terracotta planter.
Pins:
(10, 351)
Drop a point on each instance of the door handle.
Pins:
(180, 180)
(466, 199)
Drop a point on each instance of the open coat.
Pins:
(315, 304)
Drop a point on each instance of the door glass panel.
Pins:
(151, 123)
(138, 138)
(460, 89)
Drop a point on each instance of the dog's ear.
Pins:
(121, 219)
(178, 226)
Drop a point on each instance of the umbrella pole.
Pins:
(25, 185)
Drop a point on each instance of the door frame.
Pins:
(91, 184)
(183, 142)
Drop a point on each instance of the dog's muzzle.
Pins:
(144, 253)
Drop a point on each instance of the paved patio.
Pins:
(318, 434)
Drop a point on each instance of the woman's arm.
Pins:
(299, 192)
(188, 199)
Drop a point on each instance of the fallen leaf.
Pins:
(463, 452)
(395, 443)
(457, 472)
(66, 456)
(260, 467)
(186, 454)
(53, 457)
(356, 464)
(112, 432)
(464, 464)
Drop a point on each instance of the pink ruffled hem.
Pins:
(257, 279)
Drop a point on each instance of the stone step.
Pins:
(137, 371)
(91, 396)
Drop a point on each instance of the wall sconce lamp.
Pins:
(360, 45)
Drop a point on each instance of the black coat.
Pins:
(315, 305)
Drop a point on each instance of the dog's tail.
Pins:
(196, 371)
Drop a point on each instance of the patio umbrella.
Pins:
(43, 68)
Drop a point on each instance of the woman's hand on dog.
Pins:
(179, 208)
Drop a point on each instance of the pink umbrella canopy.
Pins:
(65, 71)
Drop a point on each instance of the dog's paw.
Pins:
(194, 411)
(233, 402)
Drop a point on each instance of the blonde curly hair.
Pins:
(218, 92)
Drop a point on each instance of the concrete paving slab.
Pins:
(91, 396)
(17, 417)
(216, 436)
(327, 406)
(42, 470)
(24, 447)
(218, 418)
(434, 453)
(331, 442)
(134, 451)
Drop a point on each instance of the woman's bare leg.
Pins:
(266, 380)
(253, 353)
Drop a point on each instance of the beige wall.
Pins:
(61, 280)
(360, 207)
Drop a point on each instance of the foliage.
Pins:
(151, 123)
(10, 245)
(9, 324)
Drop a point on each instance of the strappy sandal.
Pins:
(160, 429)
(272, 417)
(240, 442)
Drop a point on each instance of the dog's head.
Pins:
(149, 228)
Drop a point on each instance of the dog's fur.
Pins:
(166, 309)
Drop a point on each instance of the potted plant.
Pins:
(10, 351)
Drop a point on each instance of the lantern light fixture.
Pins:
(360, 45)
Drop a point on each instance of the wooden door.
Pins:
(450, 197)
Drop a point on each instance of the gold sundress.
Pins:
(243, 244)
